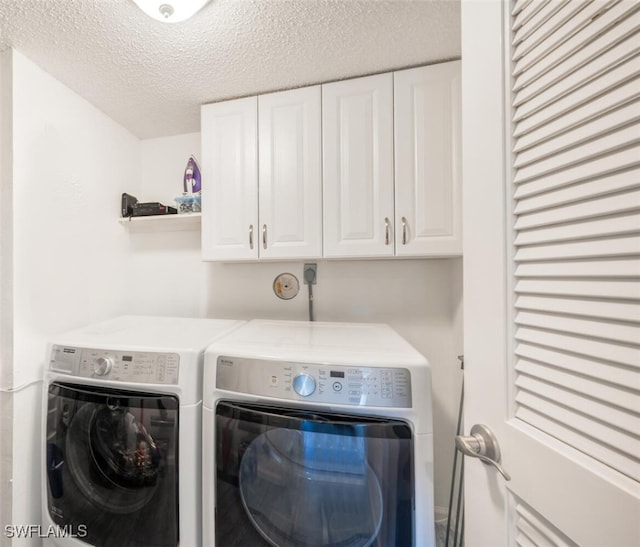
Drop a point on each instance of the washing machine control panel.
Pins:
(321, 383)
(135, 367)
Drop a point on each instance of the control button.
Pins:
(337, 386)
(102, 366)
(304, 384)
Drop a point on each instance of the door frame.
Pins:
(485, 305)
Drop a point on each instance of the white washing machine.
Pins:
(121, 428)
(317, 434)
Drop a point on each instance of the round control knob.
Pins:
(304, 384)
(102, 365)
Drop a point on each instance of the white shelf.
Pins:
(163, 223)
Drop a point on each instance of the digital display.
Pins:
(336, 374)
(127, 358)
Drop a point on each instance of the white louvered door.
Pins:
(551, 163)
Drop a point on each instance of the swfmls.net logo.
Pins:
(24, 531)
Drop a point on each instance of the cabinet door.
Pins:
(290, 191)
(427, 160)
(230, 180)
(357, 141)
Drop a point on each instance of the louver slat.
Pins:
(518, 6)
(522, 540)
(556, 84)
(587, 328)
(620, 203)
(556, 30)
(538, 19)
(585, 148)
(587, 387)
(622, 121)
(532, 525)
(622, 225)
(598, 167)
(579, 365)
(528, 12)
(580, 269)
(597, 349)
(540, 40)
(590, 248)
(594, 308)
(545, 124)
(530, 536)
(621, 423)
(604, 87)
(590, 288)
(614, 182)
(576, 51)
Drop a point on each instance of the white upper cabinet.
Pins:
(230, 180)
(427, 161)
(261, 169)
(391, 164)
(289, 180)
(357, 147)
(362, 168)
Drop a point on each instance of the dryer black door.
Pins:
(294, 478)
(111, 463)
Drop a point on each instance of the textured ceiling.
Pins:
(152, 77)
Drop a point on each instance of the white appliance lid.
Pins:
(148, 333)
(373, 342)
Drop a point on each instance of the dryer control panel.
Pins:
(134, 367)
(321, 383)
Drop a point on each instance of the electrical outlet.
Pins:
(310, 273)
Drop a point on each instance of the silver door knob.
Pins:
(482, 444)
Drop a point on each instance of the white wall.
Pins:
(70, 256)
(6, 294)
(166, 272)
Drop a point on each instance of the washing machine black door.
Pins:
(291, 478)
(111, 465)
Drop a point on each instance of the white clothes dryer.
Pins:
(317, 434)
(121, 432)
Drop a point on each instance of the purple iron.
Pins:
(192, 178)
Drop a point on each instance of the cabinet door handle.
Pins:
(251, 236)
(387, 231)
(264, 236)
(404, 230)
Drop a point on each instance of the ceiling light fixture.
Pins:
(171, 11)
